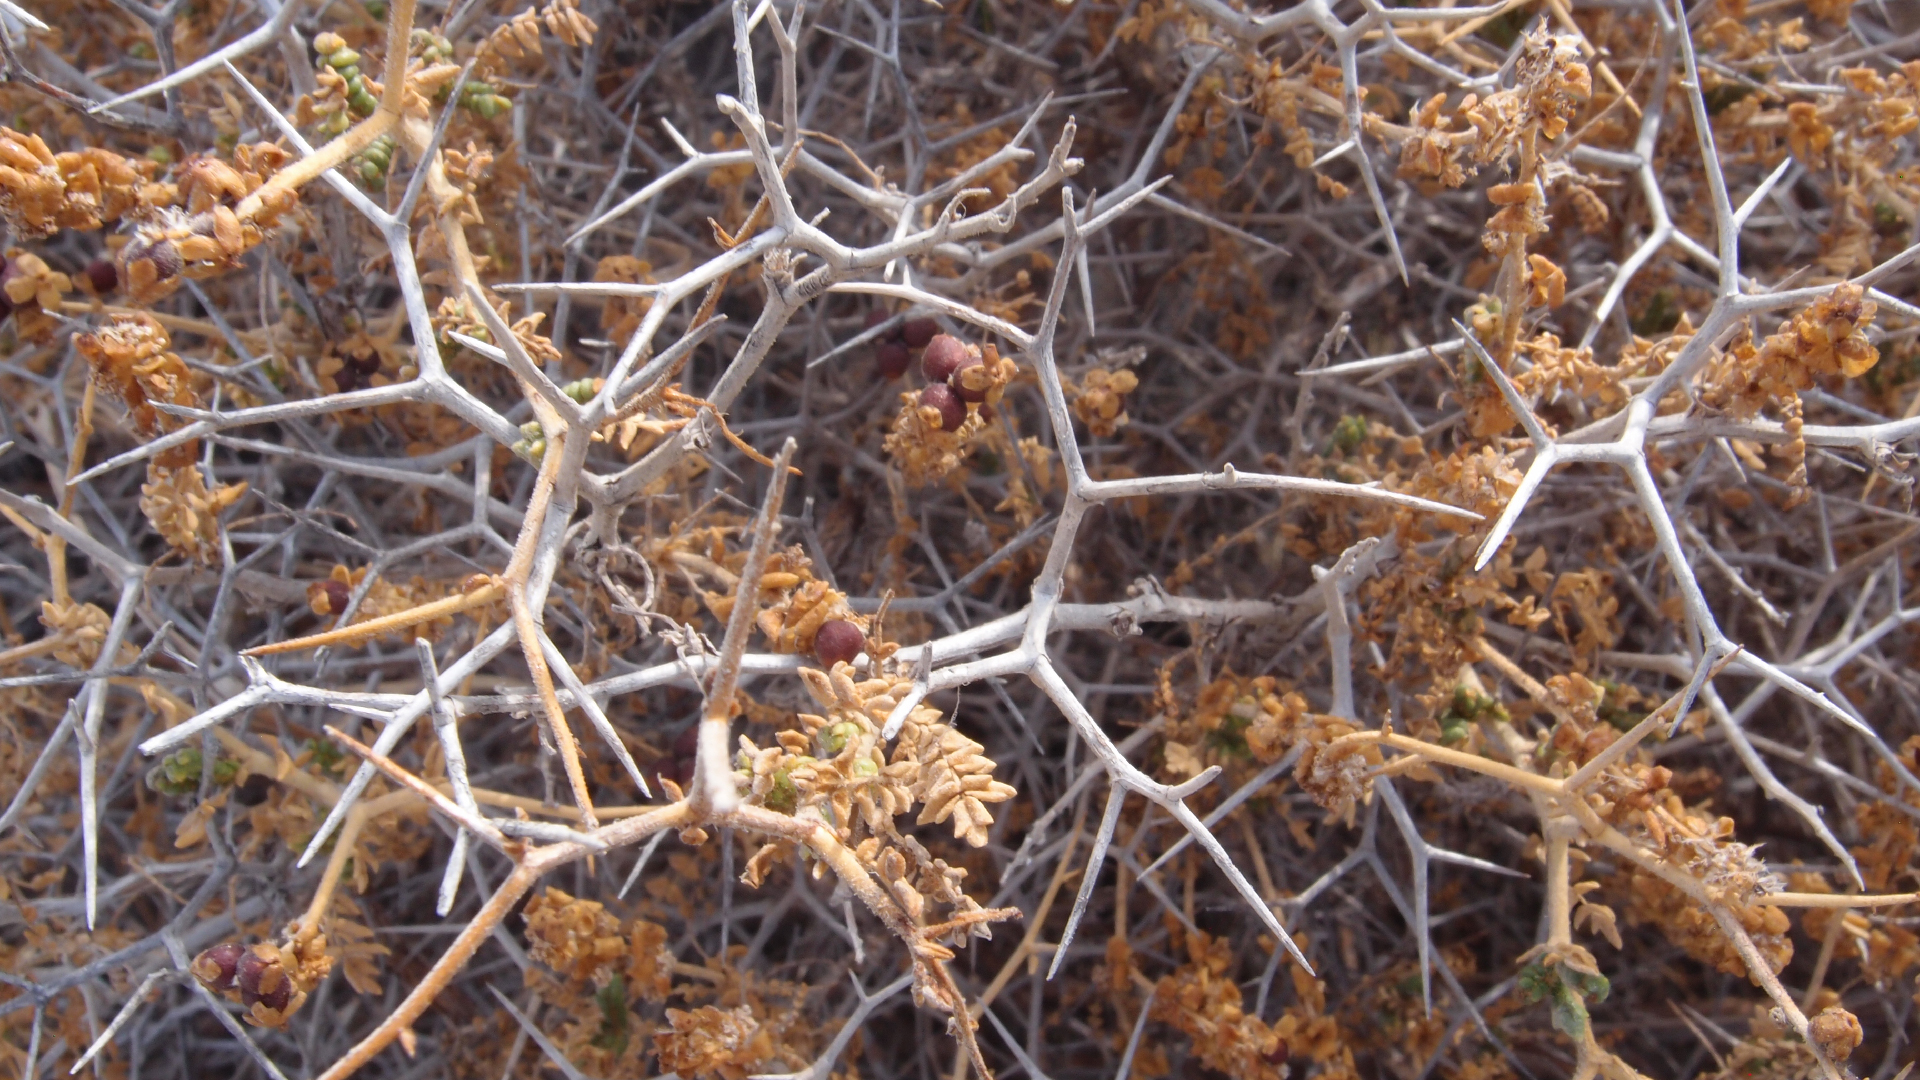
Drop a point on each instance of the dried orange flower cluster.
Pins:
(42, 192)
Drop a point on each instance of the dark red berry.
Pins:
(958, 380)
(838, 640)
(215, 967)
(1278, 1055)
(275, 999)
(894, 359)
(953, 411)
(102, 277)
(917, 332)
(944, 356)
(986, 413)
(328, 597)
(258, 975)
(876, 317)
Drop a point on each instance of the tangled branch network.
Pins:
(536, 439)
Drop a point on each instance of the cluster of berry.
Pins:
(894, 353)
(257, 974)
(942, 358)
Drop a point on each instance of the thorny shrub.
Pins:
(1488, 453)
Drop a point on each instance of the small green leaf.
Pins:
(612, 1000)
(1569, 1013)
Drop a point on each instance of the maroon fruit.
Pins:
(328, 597)
(215, 967)
(101, 277)
(944, 356)
(876, 317)
(894, 359)
(258, 975)
(275, 999)
(918, 332)
(837, 641)
(958, 380)
(953, 411)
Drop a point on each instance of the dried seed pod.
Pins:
(215, 968)
(1836, 1032)
(953, 411)
(893, 359)
(945, 354)
(917, 333)
(838, 640)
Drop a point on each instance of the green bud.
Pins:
(489, 106)
(326, 754)
(835, 737)
(342, 60)
(1349, 433)
(783, 797)
(580, 390)
(177, 774)
(377, 9)
(430, 46)
(533, 442)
